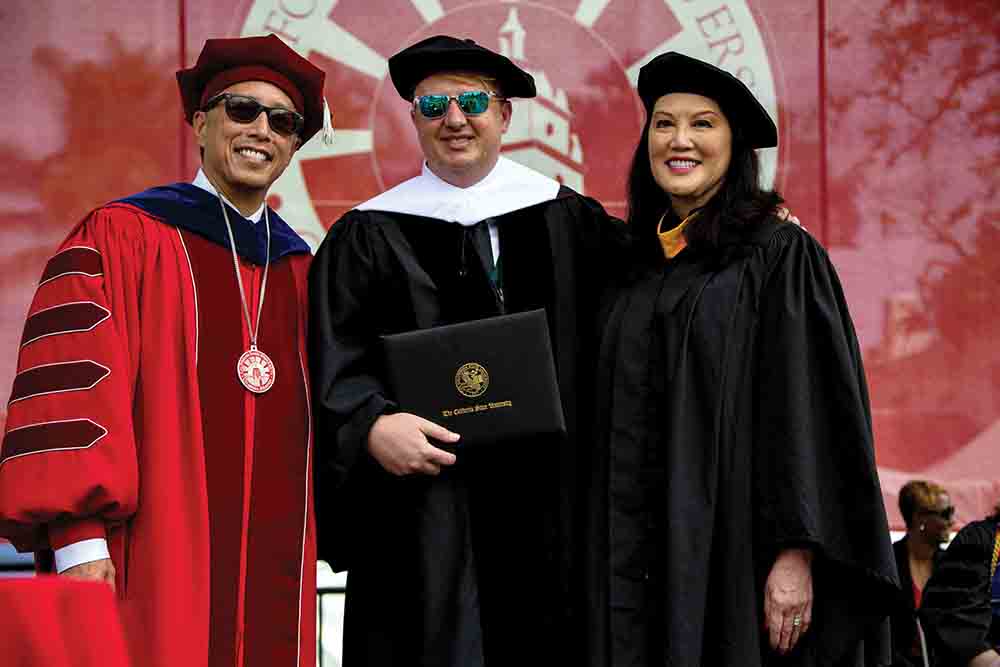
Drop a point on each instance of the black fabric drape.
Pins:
(480, 564)
(955, 608)
(733, 422)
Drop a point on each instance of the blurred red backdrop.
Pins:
(889, 117)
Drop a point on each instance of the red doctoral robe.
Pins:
(127, 421)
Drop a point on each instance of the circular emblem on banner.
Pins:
(581, 129)
(255, 371)
(472, 380)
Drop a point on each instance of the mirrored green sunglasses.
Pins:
(471, 102)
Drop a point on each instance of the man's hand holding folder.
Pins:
(399, 442)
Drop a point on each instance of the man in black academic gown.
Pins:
(466, 561)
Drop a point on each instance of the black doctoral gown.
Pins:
(733, 421)
(955, 609)
(904, 617)
(476, 565)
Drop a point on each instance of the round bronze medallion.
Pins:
(255, 371)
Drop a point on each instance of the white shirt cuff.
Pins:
(78, 553)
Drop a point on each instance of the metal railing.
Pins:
(329, 624)
(13, 564)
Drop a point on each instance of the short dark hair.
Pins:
(739, 200)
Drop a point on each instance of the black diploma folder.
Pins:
(491, 380)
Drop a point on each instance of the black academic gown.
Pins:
(955, 609)
(476, 565)
(733, 419)
(904, 617)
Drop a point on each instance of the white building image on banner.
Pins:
(540, 134)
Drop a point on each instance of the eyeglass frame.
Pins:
(266, 110)
(945, 514)
(489, 95)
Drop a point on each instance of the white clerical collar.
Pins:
(201, 180)
(508, 187)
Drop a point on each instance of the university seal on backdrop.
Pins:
(585, 56)
(472, 380)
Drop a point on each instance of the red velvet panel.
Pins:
(73, 261)
(52, 378)
(67, 318)
(220, 343)
(277, 501)
(70, 434)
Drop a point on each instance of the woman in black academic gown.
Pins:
(927, 511)
(737, 517)
(960, 609)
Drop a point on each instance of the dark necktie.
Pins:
(484, 248)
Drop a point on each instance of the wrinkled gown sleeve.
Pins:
(68, 467)
(816, 479)
(346, 286)
(955, 607)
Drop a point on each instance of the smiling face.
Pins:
(460, 149)
(690, 146)
(243, 160)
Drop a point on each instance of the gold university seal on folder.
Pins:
(471, 380)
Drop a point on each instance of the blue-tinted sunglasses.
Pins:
(471, 102)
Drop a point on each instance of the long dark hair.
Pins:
(739, 201)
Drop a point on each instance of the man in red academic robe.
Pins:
(158, 434)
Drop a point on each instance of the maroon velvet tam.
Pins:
(224, 62)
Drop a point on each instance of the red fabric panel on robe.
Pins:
(275, 540)
(42, 466)
(66, 318)
(60, 622)
(220, 343)
(73, 261)
(51, 436)
(51, 378)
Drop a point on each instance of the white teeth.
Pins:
(251, 154)
(682, 164)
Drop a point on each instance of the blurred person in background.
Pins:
(960, 608)
(928, 513)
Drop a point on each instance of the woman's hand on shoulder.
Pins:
(788, 598)
(785, 215)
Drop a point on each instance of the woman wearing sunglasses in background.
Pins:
(737, 518)
(928, 513)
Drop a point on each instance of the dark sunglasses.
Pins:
(947, 513)
(471, 102)
(243, 109)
